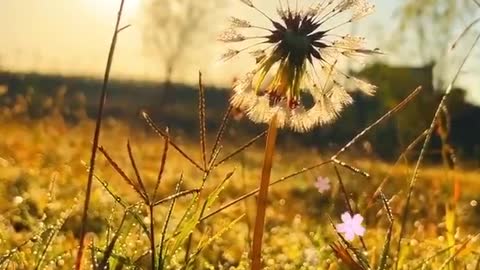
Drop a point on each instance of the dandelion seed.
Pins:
(298, 57)
(231, 35)
(365, 87)
(351, 226)
(322, 184)
(239, 23)
(247, 2)
(229, 54)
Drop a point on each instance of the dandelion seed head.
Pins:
(299, 54)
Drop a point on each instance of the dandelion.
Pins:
(351, 226)
(296, 76)
(296, 82)
(322, 184)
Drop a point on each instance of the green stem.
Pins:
(263, 194)
(152, 234)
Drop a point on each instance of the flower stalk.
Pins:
(263, 194)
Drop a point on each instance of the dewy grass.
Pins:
(274, 238)
(131, 239)
(413, 179)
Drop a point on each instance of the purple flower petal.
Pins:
(351, 226)
(346, 218)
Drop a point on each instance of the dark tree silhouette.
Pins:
(176, 27)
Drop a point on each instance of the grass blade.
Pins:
(386, 247)
(120, 172)
(161, 260)
(239, 150)
(202, 120)
(109, 250)
(137, 174)
(424, 149)
(96, 139)
(162, 166)
(220, 133)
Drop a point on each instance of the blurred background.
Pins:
(53, 54)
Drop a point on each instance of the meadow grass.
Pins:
(43, 171)
(41, 162)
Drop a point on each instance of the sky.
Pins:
(72, 37)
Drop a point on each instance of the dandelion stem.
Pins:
(96, 136)
(263, 194)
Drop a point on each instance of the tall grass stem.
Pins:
(426, 143)
(96, 137)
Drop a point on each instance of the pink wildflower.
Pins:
(322, 184)
(351, 226)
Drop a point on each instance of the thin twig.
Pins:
(137, 174)
(424, 149)
(343, 190)
(162, 134)
(123, 28)
(176, 196)
(162, 166)
(96, 137)
(214, 158)
(400, 106)
(350, 167)
(121, 172)
(347, 200)
(221, 131)
(240, 149)
(464, 32)
(255, 191)
(167, 221)
(402, 156)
